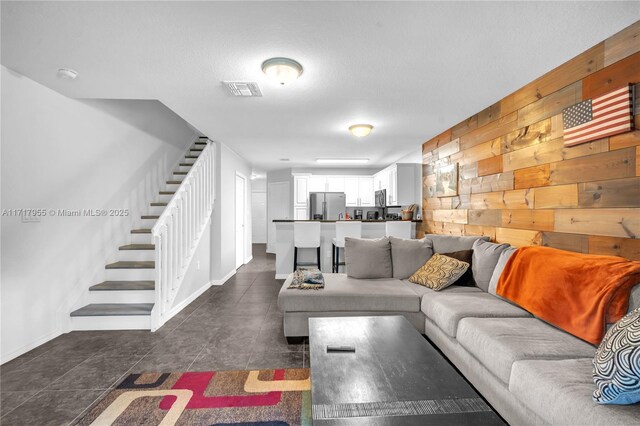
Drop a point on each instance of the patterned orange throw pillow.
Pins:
(439, 272)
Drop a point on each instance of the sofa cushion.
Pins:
(448, 243)
(407, 256)
(447, 312)
(502, 261)
(485, 258)
(464, 256)
(499, 342)
(439, 272)
(616, 366)
(343, 293)
(368, 258)
(421, 290)
(560, 392)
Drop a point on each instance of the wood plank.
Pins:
(543, 153)
(518, 237)
(628, 248)
(550, 105)
(462, 201)
(562, 76)
(519, 199)
(489, 183)
(608, 222)
(450, 216)
(476, 153)
(437, 141)
(540, 220)
(464, 127)
(488, 231)
(449, 148)
(572, 242)
(489, 114)
(607, 165)
(622, 44)
(610, 193)
(612, 77)
(490, 166)
(500, 127)
(438, 203)
(429, 186)
(468, 171)
(532, 177)
(557, 127)
(485, 217)
(559, 196)
(637, 160)
(625, 140)
(525, 136)
(447, 228)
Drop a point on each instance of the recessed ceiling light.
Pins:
(360, 130)
(282, 70)
(342, 160)
(67, 73)
(285, 159)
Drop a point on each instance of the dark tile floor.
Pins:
(233, 326)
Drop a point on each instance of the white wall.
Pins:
(198, 277)
(414, 156)
(223, 237)
(61, 153)
(259, 211)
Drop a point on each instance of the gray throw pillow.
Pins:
(502, 262)
(407, 256)
(485, 259)
(448, 243)
(368, 258)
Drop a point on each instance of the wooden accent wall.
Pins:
(518, 184)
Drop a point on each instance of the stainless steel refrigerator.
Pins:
(327, 205)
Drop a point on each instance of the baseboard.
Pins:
(249, 259)
(29, 346)
(281, 276)
(180, 306)
(224, 279)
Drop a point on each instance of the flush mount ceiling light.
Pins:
(282, 70)
(360, 130)
(342, 160)
(67, 73)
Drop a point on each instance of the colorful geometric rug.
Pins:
(256, 398)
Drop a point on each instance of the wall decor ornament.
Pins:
(447, 180)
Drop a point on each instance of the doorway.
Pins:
(241, 217)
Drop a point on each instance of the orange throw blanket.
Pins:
(578, 293)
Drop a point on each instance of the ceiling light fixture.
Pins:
(360, 130)
(342, 160)
(67, 73)
(282, 70)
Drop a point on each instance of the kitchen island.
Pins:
(284, 243)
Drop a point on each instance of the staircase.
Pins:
(129, 297)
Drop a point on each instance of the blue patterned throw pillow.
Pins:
(616, 366)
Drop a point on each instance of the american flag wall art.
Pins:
(597, 118)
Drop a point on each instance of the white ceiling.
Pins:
(412, 69)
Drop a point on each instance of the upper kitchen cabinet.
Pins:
(335, 184)
(402, 182)
(317, 183)
(301, 189)
(359, 191)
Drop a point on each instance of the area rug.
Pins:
(245, 397)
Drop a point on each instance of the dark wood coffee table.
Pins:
(395, 377)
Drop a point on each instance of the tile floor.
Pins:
(233, 326)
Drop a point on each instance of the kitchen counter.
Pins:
(284, 242)
(333, 221)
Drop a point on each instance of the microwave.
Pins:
(381, 198)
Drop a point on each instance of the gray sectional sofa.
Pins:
(531, 372)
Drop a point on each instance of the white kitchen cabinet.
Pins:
(301, 190)
(392, 188)
(351, 190)
(317, 183)
(365, 191)
(381, 180)
(301, 213)
(335, 184)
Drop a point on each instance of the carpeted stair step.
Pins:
(150, 216)
(190, 156)
(124, 286)
(159, 204)
(167, 192)
(185, 164)
(141, 231)
(174, 182)
(138, 247)
(138, 264)
(180, 173)
(113, 309)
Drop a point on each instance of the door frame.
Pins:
(244, 210)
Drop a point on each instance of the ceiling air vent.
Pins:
(243, 88)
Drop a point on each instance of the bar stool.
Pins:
(398, 229)
(343, 229)
(305, 235)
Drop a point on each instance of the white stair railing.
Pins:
(178, 231)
